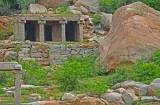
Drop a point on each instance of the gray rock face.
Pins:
(153, 88)
(129, 98)
(9, 93)
(83, 10)
(113, 98)
(37, 8)
(86, 3)
(76, 12)
(143, 90)
(146, 99)
(157, 80)
(106, 20)
(36, 55)
(67, 96)
(93, 9)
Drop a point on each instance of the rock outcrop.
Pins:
(50, 3)
(86, 3)
(135, 32)
(36, 8)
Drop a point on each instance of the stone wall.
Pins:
(44, 53)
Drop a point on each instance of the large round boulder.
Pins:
(135, 32)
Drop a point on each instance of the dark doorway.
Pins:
(71, 31)
(48, 33)
(30, 30)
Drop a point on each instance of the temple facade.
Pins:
(48, 27)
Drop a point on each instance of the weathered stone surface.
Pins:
(50, 3)
(129, 98)
(106, 20)
(86, 3)
(9, 93)
(76, 12)
(157, 80)
(91, 101)
(156, 99)
(36, 55)
(45, 103)
(43, 61)
(9, 55)
(36, 8)
(93, 9)
(120, 90)
(147, 99)
(67, 96)
(113, 98)
(143, 90)
(153, 88)
(83, 10)
(141, 35)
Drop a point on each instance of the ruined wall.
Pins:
(45, 54)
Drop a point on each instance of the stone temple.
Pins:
(48, 27)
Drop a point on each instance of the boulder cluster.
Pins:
(125, 93)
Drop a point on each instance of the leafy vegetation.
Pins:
(63, 9)
(94, 85)
(71, 73)
(8, 7)
(34, 74)
(96, 19)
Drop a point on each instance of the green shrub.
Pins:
(24, 4)
(7, 79)
(95, 86)
(96, 19)
(152, 3)
(156, 57)
(146, 72)
(63, 9)
(34, 74)
(76, 68)
(121, 74)
(68, 75)
(109, 6)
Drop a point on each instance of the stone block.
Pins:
(129, 98)
(147, 99)
(67, 96)
(36, 55)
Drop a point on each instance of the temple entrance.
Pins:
(71, 31)
(30, 30)
(48, 33)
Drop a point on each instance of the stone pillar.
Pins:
(15, 28)
(41, 30)
(17, 93)
(63, 22)
(21, 29)
(81, 22)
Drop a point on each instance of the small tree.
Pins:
(17, 48)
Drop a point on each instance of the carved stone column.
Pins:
(17, 95)
(21, 29)
(81, 22)
(41, 30)
(63, 23)
(15, 28)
